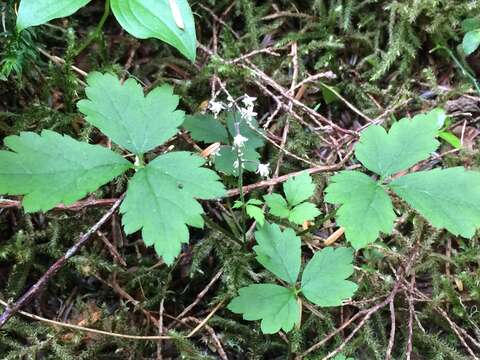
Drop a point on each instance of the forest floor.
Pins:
(321, 72)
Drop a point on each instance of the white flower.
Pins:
(239, 140)
(263, 170)
(248, 114)
(216, 107)
(249, 101)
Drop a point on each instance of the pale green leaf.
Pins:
(157, 19)
(324, 278)
(205, 128)
(407, 142)
(470, 24)
(342, 357)
(125, 115)
(279, 252)
(227, 155)
(254, 202)
(365, 208)
(38, 12)
(250, 131)
(471, 41)
(451, 139)
(50, 169)
(303, 212)
(447, 198)
(161, 201)
(275, 305)
(299, 188)
(256, 213)
(277, 204)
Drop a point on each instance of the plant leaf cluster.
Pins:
(447, 198)
(50, 169)
(168, 20)
(323, 281)
(205, 128)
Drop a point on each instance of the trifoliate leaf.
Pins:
(205, 128)
(324, 278)
(277, 204)
(279, 252)
(275, 305)
(471, 41)
(38, 12)
(136, 122)
(303, 212)
(166, 20)
(161, 201)
(447, 198)
(298, 188)
(50, 169)
(407, 142)
(256, 213)
(227, 155)
(365, 207)
(250, 131)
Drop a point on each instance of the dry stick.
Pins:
(367, 312)
(201, 295)
(411, 312)
(391, 341)
(35, 289)
(79, 205)
(112, 334)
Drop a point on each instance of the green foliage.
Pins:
(447, 198)
(360, 198)
(160, 201)
(323, 280)
(295, 208)
(252, 209)
(207, 129)
(275, 305)
(136, 122)
(37, 12)
(50, 169)
(471, 41)
(167, 20)
(55, 168)
(388, 153)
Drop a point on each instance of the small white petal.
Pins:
(263, 170)
(239, 140)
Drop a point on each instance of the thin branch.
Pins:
(35, 289)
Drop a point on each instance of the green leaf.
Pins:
(256, 213)
(470, 24)
(342, 357)
(471, 41)
(324, 278)
(205, 128)
(38, 12)
(227, 156)
(275, 305)
(277, 204)
(254, 202)
(251, 132)
(365, 208)
(388, 154)
(161, 201)
(447, 198)
(126, 116)
(451, 139)
(299, 188)
(279, 252)
(304, 212)
(50, 169)
(157, 19)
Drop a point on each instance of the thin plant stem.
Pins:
(240, 184)
(96, 34)
(462, 68)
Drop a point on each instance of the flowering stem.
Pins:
(240, 184)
